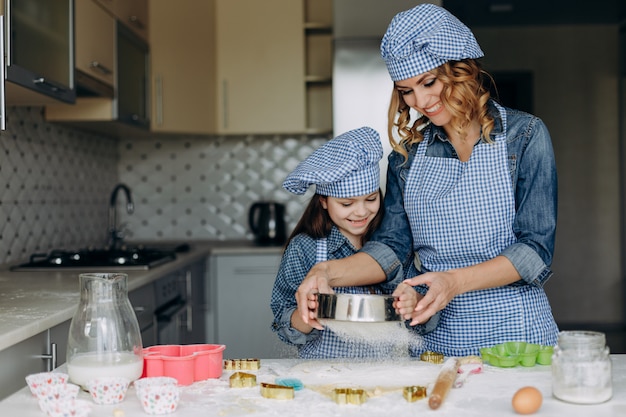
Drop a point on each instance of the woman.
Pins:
(471, 197)
(339, 219)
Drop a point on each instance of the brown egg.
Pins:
(527, 400)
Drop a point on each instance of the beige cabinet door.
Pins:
(95, 41)
(260, 66)
(182, 66)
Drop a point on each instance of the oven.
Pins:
(143, 302)
(171, 316)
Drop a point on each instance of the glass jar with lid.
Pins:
(581, 368)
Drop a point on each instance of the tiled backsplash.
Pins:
(188, 188)
(56, 183)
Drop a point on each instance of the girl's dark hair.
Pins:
(316, 222)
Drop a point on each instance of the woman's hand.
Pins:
(316, 281)
(444, 286)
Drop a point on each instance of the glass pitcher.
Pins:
(104, 337)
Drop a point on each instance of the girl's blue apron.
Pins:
(331, 345)
(461, 214)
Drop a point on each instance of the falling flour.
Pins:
(384, 340)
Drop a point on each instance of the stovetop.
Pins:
(134, 258)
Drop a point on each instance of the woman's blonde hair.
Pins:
(464, 95)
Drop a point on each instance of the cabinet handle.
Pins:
(98, 66)
(3, 106)
(158, 87)
(190, 318)
(43, 82)
(134, 20)
(189, 291)
(51, 357)
(225, 104)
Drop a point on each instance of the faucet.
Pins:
(115, 235)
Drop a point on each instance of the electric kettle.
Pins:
(267, 222)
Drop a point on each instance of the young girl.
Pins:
(340, 217)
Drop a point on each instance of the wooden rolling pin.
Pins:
(444, 382)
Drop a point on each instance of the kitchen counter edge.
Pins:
(32, 302)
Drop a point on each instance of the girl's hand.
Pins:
(315, 282)
(442, 288)
(405, 301)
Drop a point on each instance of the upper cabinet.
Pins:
(95, 49)
(112, 68)
(39, 47)
(216, 67)
(241, 70)
(182, 69)
(259, 59)
(131, 13)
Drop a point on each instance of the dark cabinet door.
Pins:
(40, 46)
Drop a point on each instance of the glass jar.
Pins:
(581, 368)
(104, 337)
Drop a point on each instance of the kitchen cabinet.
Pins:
(260, 66)
(182, 66)
(194, 330)
(128, 111)
(39, 49)
(234, 73)
(239, 291)
(131, 13)
(95, 49)
(32, 355)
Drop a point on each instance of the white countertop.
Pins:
(487, 394)
(31, 302)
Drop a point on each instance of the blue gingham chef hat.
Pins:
(423, 38)
(344, 167)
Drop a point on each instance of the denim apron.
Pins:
(461, 214)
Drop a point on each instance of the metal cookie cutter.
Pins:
(349, 396)
(414, 393)
(242, 364)
(242, 380)
(276, 392)
(432, 357)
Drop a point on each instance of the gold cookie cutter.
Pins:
(349, 396)
(242, 364)
(432, 357)
(242, 380)
(414, 393)
(276, 392)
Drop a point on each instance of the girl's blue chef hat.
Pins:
(344, 167)
(423, 38)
